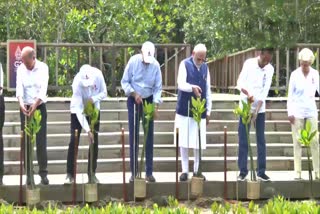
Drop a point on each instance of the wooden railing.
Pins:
(225, 71)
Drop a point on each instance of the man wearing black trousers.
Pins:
(88, 86)
(31, 91)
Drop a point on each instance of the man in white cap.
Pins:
(142, 82)
(31, 91)
(301, 106)
(88, 86)
(193, 81)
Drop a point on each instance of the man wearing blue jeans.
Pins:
(254, 83)
(142, 82)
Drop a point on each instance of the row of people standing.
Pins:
(254, 83)
(142, 81)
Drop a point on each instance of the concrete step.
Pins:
(105, 138)
(115, 151)
(160, 164)
(59, 127)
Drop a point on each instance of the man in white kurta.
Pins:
(193, 81)
(301, 106)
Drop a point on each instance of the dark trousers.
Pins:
(261, 146)
(41, 141)
(70, 159)
(2, 117)
(132, 130)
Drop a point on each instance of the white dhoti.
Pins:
(189, 138)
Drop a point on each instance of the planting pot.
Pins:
(197, 186)
(140, 188)
(32, 196)
(91, 192)
(253, 190)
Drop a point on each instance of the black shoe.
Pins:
(200, 176)
(242, 177)
(44, 180)
(184, 177)
(69, 179)
(150, 178)
(95, 180)
(131, 180)
(28, 182)
(263, 177)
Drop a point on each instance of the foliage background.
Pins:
(225, 26)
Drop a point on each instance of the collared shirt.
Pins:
(32, 84)
(301, 94)
(97, 91)
(256, 81)
(144, 79)
(183, 85)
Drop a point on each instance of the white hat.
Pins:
(148, 50)
(86, 75)
(306, 55)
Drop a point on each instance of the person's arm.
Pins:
(183, 85)
(208, 94)
(182, 79)
(127, 78)
(19, 91)
(103, 89)
(157, 89)
(78, 106)
(208, 98)
(42, 95)
(241, 82)
(290, 103)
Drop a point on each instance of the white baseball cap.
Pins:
(86, 75)
(148, 50)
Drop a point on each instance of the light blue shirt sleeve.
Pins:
(157, 90)
(127, 78)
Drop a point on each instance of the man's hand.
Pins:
(207, 119)
(245, 91)
(91, 138)
(137, 98)
(196, 90)
(24, 109)
(90, 100)
(254, 118)
(291, 119)
(32, 109)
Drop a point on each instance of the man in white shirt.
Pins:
(254, 83)
(88, 86)
(301, 106)
(2, 118)
(31, 91)
(193, 81)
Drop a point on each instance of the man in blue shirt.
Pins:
(142, 82)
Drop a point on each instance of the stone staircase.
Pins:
(114, 116)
